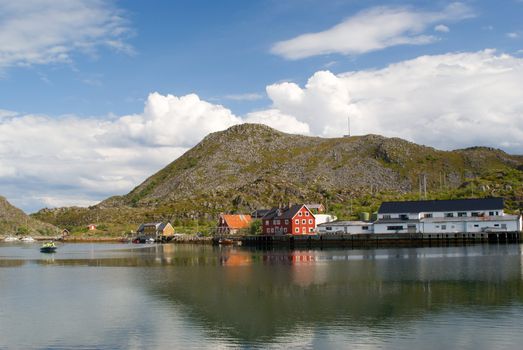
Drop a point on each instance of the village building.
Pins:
(156, 230)
(295, 220)
(435, 218)
(345, 228)
(323, 218)
(259, 213)
(233, 223)
(443, 217)
(316, 208)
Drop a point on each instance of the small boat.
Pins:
(11, 239)
(48, 247)
(225, 241)
(28, 239)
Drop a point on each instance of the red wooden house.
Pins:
(295, 220)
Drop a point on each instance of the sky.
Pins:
(95, 96)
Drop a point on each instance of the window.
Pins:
(394, 228)
(276, 222)
(310, 221)
(286, 222)
(303, 221)
(328, 228)
(428, 215)
(449, 215)
(474, 213)
(365, 227)
(491, 213)
(297, 222)
(285, 230)
(404, 217)
(300, 213)
(386, 216)
(443, 227)
(462, 214)
(296, 230)
(496, 225)
(306, 213)
(504, 226)
(311, 229)
(266, 222)
(476, 225)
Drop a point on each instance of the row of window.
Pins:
(296, 230)
(297, 222)
(447, 215)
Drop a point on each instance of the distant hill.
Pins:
(14, 221)
(253, 166)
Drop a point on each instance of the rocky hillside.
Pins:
(14, 221)
(254, 166)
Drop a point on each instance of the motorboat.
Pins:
(48, 247)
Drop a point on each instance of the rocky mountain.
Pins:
(14, 221)
(253, 166)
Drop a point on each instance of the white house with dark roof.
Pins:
(436, 218)
(442, 217)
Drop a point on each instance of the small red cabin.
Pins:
(295, 220)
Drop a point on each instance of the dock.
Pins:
(379, 240)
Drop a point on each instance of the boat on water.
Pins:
(48, 247)
(225, 241)
(11, 239)
(28, 239)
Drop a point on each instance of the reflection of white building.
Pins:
(435, 217)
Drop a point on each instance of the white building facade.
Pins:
(435, 218)
(442, 217)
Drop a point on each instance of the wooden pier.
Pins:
(380, 240)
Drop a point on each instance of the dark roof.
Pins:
(283, 213)
(259, 213)
(441, 205)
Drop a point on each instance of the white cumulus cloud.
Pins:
(370, 30)
(447, 101)
(442, 28)
(49, 31)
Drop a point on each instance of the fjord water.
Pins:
(119, 296)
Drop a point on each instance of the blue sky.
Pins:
(157, 76)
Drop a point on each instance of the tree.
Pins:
(256, 227)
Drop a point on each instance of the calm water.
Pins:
(180, 296)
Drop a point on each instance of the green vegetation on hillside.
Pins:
(252, 166)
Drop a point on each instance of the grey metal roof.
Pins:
(346, 223)
(283, 213)
(441, 205)
(259, 213)
(396, 221)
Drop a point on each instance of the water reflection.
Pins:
(196, 296)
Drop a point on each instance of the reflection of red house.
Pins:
(231, 224)
(295, 220)
(91, 227)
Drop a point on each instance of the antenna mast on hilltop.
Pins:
(348, 126)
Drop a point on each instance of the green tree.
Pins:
(256, 227)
